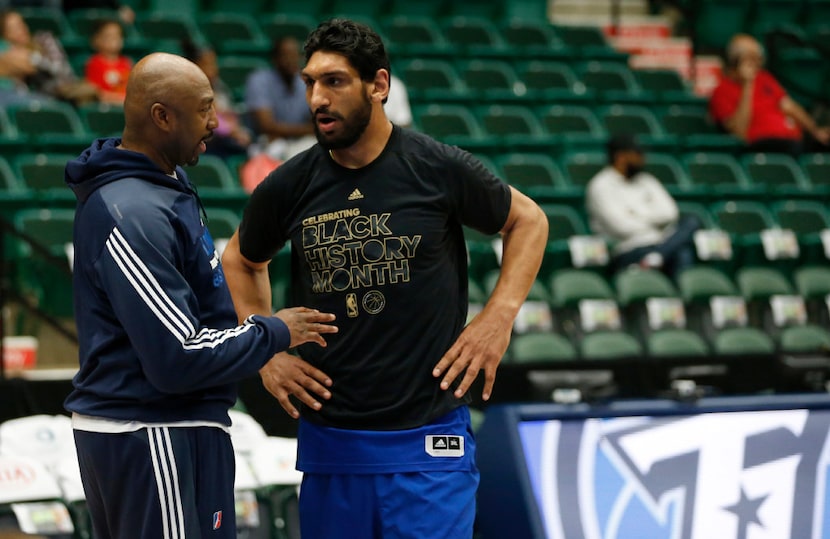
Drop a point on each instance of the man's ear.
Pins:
(160, 116)
(380, 86)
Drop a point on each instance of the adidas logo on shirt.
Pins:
(356, 195)
(444, 446)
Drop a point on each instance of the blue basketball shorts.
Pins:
(407, 484)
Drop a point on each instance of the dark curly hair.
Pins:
(361, 45)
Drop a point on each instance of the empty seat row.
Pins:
(552, 128)
(706, 301)
(43, 174)
(235, 30)
(574, 81)
(693, 176)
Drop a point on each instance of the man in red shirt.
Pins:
(750, 104)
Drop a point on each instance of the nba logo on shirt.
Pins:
(217, 520)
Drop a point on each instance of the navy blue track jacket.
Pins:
(159, 337)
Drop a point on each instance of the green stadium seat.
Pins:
(313, 8)
(720, 174)
(802, 70)
(83, 21)
(535, 174)
(636, 285)
(613, 82)
(188, 7)
(424, 8)
(552, 81)
(430, 80)
(493, 11)
(235, 69)
(530, 35)
(9, 182)
(640, 121)
(676, 342)
(103, 119)
(212, 176)
(221, 222)
(517, 127)
(167, 26)
(807, 218)
(588, 42)
(742, 341)
(771, 14)
(563, 223)
(357, 9)
(453, 124)
(760, 283)
(43, 173)
(816, 166)
(48, 20)
(569, 286)
(816, 14)
(717, 21)
(50, 126)
(491, 80)
(234, 33)
(255, 7)
(804, 217)
(296, 25)
(684, 120)
(813, 284)
(757, 285)
(780, 174)
(696, 131)
(669, 171)
(605, 345)
(46, 280)
(804, 339)
(697, 286)
(576, 125)
(744, 220)
(580, 167)
(742, 217)
(665, 84)
(540, 348)
(632, 119)
(415, 36)
(687, 207)
(472, 34)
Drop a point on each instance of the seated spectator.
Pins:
(49, 71)
(397, 104)
(15, 66)
(231, 137)
(631, 209)
(275, 101)
(108, 69)
(750, 104)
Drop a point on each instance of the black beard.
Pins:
(353, 128)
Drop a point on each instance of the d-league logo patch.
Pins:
(446, 445)
(217, 520)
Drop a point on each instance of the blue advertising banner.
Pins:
(741, 469)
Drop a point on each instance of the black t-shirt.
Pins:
(382, 247)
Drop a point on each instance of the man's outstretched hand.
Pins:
(306, 325)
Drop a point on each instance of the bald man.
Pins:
(161, 349)
(750, 104)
